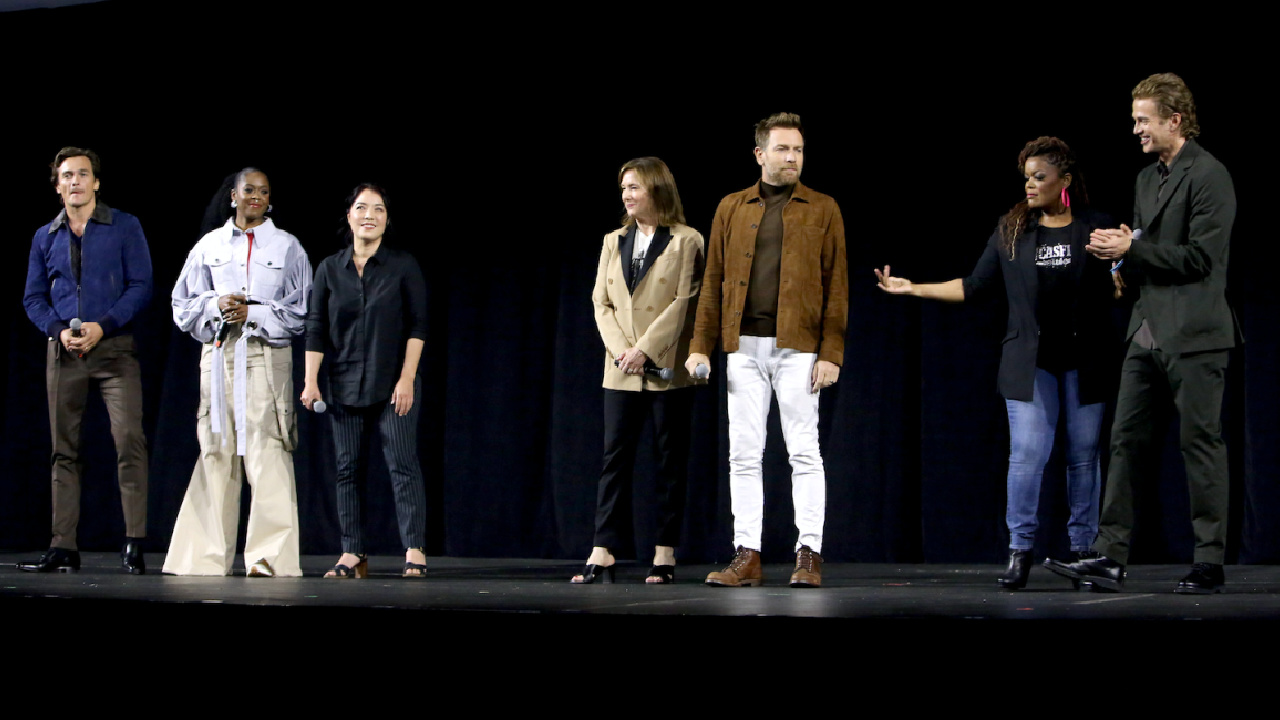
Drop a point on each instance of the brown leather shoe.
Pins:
(743, 570)
(808, 569)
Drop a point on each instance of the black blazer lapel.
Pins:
(1176, 176)
(1177, 173)
(1080, 229)
(1025, 257)
(1148, 189)
(626, 245)
(661, 237)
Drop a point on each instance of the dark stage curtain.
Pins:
(501, 162)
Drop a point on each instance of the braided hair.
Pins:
(1058, 154)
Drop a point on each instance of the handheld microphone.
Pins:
(76, 326)
(319, 407)
(661, 373)
(702, 372)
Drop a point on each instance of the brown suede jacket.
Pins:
(813, 285)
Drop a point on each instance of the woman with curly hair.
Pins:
(1054, 362)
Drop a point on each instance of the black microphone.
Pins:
(76, 331)
(662, 373)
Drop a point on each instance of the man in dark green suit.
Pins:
(1180, 335)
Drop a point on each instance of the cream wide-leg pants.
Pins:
(204, 538)
(757, 369)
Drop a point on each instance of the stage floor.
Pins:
(472, 621)
(850, 591)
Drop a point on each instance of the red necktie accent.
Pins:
(248, 234)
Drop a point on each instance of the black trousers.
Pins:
(624, 415)
(1194, 382)
(353, 430)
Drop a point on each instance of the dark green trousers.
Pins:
(1194, 382)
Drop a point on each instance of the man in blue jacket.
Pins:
(88, 277)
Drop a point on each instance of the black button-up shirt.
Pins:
(362, 324)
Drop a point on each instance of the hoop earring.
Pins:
(233, 203)
(270, 207)
(1066, 199)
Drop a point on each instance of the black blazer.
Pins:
(1091, 312)
(1180, 261)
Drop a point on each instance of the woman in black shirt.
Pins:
(1056, 351)
(368, 315)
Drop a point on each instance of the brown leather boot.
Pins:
(808, 569)
(743, 570)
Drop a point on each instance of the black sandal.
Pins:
(342, 572)
(591, 572)
(666, 574)
(421, 568)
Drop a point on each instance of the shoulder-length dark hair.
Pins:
(1055, 152)
(658, 181)
(219, 209)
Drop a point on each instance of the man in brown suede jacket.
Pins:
(776, 295)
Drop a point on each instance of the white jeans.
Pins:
(757, 367)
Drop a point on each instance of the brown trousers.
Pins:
(114, 365)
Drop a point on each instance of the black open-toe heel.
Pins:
(665, 574)
(342, 572)
(419, 570)
(591, 572)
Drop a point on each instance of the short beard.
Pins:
(781, 178)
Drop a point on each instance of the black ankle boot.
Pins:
(131, 560)
(1015, 577)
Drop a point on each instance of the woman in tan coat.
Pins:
(645, 299)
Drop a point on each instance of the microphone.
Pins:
(319, 407)
(76, 331)
(662, 373)
(702, 372)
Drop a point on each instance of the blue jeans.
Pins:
(1032, 426)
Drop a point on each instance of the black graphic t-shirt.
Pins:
(1058, 287)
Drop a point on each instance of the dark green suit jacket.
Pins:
(1180, 260)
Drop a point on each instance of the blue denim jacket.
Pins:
(115, 282)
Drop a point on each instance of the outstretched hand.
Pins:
(893, 285)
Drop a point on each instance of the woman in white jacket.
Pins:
(243, 293)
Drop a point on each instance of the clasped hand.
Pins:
(1110, 244)
(90, 336)
(632, 361)
(234, 308)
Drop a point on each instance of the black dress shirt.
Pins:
(362, 324)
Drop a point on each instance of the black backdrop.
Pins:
(499, 137)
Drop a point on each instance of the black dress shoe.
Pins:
(1100, 573)
(131, 557)
(54, 560)
(1204, 579)
(1015, 576)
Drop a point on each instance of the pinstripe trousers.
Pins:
(353, 430)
